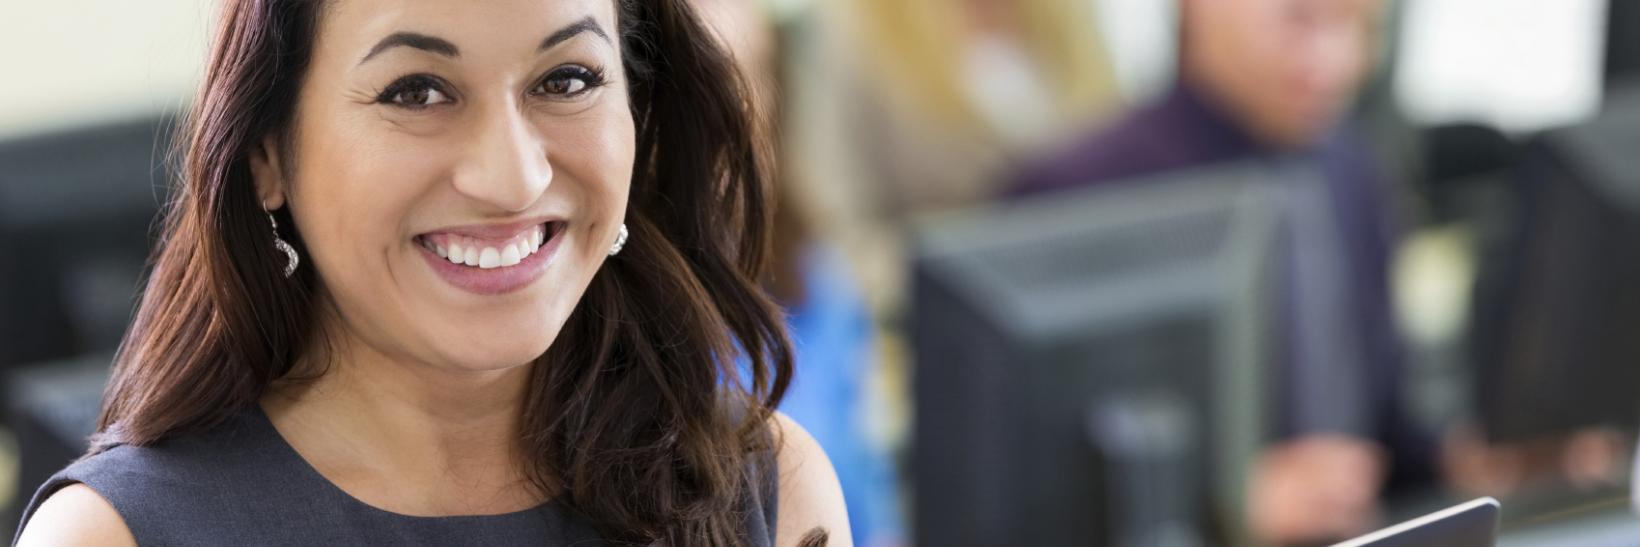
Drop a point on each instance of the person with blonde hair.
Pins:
(903, 107)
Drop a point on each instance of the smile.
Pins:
(474, 252)
(492, 259)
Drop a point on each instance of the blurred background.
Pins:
(1060, 272)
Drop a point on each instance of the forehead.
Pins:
(511, 27)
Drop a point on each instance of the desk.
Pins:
(1602, 525)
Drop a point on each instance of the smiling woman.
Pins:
(512, 263)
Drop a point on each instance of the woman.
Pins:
(513, 255)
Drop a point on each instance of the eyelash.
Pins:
(591, 78)
(393, 95)
(411, 84)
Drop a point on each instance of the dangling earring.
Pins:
(291, 260)
(620, 241)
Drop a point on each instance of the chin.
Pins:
(492, 358)
(477, 348)
(495, 339)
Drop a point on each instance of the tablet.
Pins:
(1473, 524)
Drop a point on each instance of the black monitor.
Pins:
(1556, 338)
(1622, 55)
(76, 208)
(1087, 364)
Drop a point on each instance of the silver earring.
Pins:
(620, 241)
(291, 260)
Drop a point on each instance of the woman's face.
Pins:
(460, 171)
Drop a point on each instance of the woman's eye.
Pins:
(414, 92)
(569, 81)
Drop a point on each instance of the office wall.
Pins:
(71, 63)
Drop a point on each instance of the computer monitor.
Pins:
(76, 209)
(1622, 42)
(1088, 364)
(1557, 330)
(1471, 524)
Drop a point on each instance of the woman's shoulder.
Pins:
(184, 454)
(808, 494)
(147, 486)
(172, 468)
(189, 460)
(75, 515)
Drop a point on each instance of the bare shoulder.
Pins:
(810, 496)
(76, 515)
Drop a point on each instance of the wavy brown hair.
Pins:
(637, 416)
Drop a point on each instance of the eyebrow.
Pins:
(564, 34)
(413, 40)
(443, 47)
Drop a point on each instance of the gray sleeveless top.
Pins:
(240, 483)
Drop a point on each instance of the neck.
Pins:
(407, 436)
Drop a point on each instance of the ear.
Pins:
(267, 171)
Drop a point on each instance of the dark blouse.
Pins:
(241, 484)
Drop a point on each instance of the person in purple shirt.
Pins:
(1269, 80)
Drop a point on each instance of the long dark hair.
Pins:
(637, 416)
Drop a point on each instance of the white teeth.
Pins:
(510, 255)
(460, 250)
(489, 258)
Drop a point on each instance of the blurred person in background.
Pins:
(888, 109)
(839, 383)
(1270, 80)
(911, 106)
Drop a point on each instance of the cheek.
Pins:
(353, 192)
(617, 160)
(595, 155)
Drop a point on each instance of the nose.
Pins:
(505, 164)
(1336, 57)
